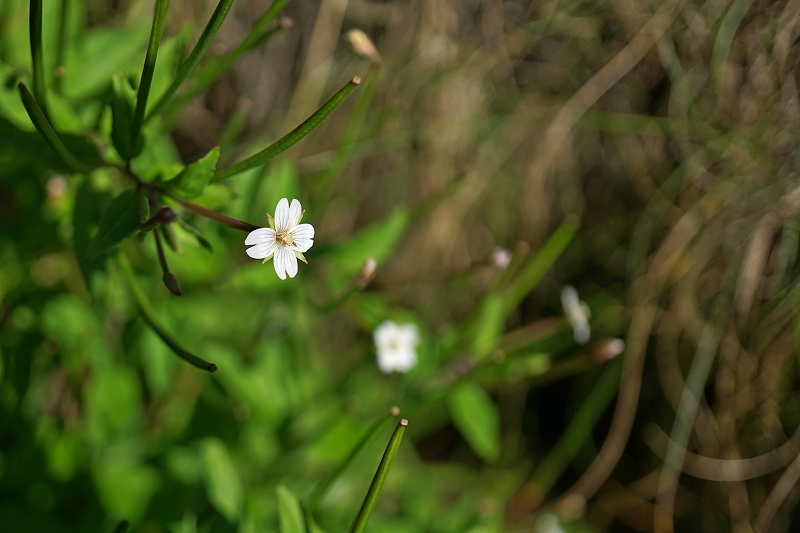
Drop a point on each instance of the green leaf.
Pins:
(191, 183)
(47, 132)
(86, 217)
(31, 148)
(475, 415)
(159, 18)
(120, 219)
(223, 484)
(489, 326)
(37, 54)
(123, 102)
(289, 511)
(380, 477)
(377, 241)
(293, 136)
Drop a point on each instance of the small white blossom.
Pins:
(576, 314)
(285, 240)
(501, 257)
(396, 345)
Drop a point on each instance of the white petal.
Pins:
(295, 210)
(384, 333)
(259, 236)
(303, 237)
(405, 361)
(409, 335)
(291, 263)
(260, 251)
(285, 262)
(280, 267)
(282, 215)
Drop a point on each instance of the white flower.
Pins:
(576, 314)
(286, 239)
(396, 345)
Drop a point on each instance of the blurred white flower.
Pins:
(576, 314)
(396, 345)
(285, 240)
(501, 258)
(548, 523)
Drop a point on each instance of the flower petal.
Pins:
(291, 263)
(303, 237)
(295, 210)
(261, 251)
(260, 236)
(278, 259)
(282, 215)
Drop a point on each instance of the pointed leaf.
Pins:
(191, 183)
(223, 483)
(377, 241)
(123, 103)
(120, 219)
(475, 415)
(290, 512)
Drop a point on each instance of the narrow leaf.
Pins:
(293, 136)
(37, 54)
(123, 102)
(149, 67)
(202, 241)
(47, 132)
(325, 483)
(378, 241)
(188, 66)
(223, 483)
(120, 219)
(149, 316)
(380, 477)
(191, 183)
(489, 326)
(289, 511)
(533, 272)
(475, 415)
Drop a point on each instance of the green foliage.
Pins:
(476, 417)
(290, 511)
(192, 181)
(120, 220)
(123, 103)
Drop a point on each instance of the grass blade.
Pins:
(188, 66)
(293, 136)
(149, 316)
(324, 484)
(37, 54)
(380, 477)
(46, 130)
(535, 270)
(149, 67)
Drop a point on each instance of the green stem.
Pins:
(380, 477)
(214, 215)
(62, 45)
(46, 130)
(293, 136)
(188, 66)
(535, 270)
(324, 484)
(149, 68)
(149, 316)
(37, 54)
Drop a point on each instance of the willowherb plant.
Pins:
(148, 206)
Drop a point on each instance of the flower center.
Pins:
(284, 237)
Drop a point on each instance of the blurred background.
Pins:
(498, 150)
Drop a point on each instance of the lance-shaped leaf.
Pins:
(289, 511)
(188, 66)
(120, 219)
(192, 181)
(380, 477)
(123, 103)
(47, 132)
(475, 415)
(150, 318)
(293, 136)
(159, 18)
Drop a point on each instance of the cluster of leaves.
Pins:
(94, 400)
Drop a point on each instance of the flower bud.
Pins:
(367, 272)
(363, 46)
(172, 284)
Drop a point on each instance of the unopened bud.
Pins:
(607, 349)
(172, 284)
(363, 46)
(166, 215)
(286, 23)
(367, 272)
